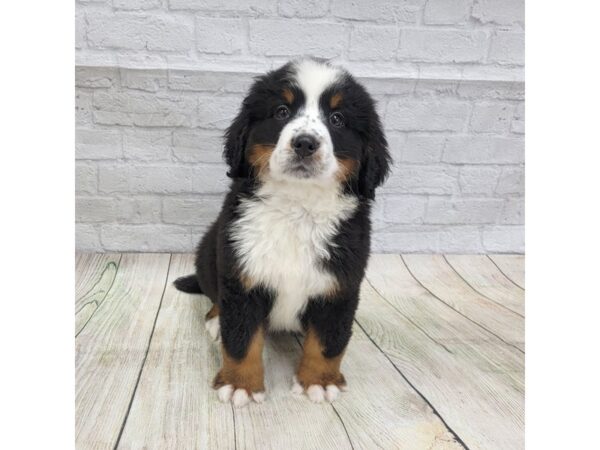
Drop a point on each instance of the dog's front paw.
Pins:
(237, 392)
(317, 391)
(240, 397)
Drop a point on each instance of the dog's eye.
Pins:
(336, 119)
(282, 112)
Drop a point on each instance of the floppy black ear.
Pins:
(376, 161)
(236, 137)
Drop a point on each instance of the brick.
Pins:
(140, 32)
(491, 117)
(163, 179)
(188, 80)
(463, 211)
(513, 212)
(252, 7)
(80, 40)
(86, 179)
(216, 111)
(518, 123)
(97, 144)
(147, 145)
(96, 77)
(303, 8)
(191, 211)
(404, 209)
(427, 179)
(478, 179)
(504, 239)
(214, 35)
(483, 150)
(512, 181)
(210, 179)
(406, 241)
(423, 149)
(479, 90)
(83, 107)
(124, 210)
(94, 209)
(87, 238)
(446, 12)
(436, 88)
(136, 4)
(507, 48)
(502, 12)
(373, 42)
(388, 86)
(144, 79)
(435, 115)
(445, 46)
(405, 11)
(460, 239)
(144, 109)
(151, 237)
(396, 145)
(293, 38)
(198, 146)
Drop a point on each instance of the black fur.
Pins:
(217, 269)
(188, 284)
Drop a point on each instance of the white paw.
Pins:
(316, 393)
(214, 328)
(224, 393)
(239, 397)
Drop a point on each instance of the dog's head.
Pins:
(309, 122)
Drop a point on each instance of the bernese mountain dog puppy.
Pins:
(289, 248)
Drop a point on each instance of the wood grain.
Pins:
(94, 275)
(513, 266)
(174, 406)
(111, 348)
(434, 273)
(482, 275)
(474, 380)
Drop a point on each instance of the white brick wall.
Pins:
(159, 80)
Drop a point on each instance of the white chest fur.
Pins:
(281, 237)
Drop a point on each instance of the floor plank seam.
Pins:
(103, 298)
(145, 356)
(478, 292)
(406, 317)
(332, 405)
(505, 275)
(456, 310)
(435, 411)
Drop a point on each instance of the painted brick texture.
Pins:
(158, 81)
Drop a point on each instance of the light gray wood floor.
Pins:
(436, 361)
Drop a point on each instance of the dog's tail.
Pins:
(188, 284)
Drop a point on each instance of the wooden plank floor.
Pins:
(436, 361)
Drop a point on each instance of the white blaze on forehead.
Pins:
(313, 78)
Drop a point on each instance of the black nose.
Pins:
(304, 145)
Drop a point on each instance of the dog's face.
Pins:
(309, 122)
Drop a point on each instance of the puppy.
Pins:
(289, 248)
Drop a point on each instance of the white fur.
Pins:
(240, 398)
(213, 327)
(313, 78)
(281, 238)
(224, 393)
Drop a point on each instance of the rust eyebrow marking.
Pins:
(288, 95)
(336, 100)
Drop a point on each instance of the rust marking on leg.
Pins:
(246, 373)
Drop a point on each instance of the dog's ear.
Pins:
(376, 160)
(236, 137)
